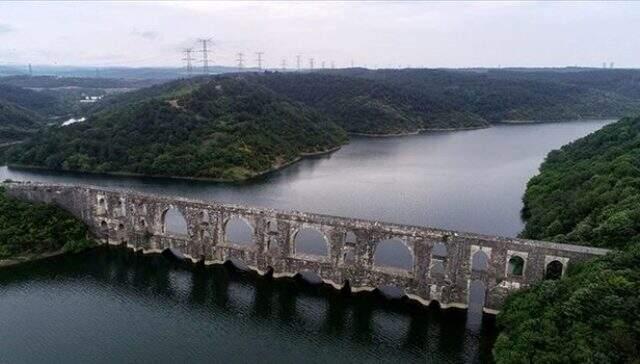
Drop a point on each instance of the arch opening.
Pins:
(391, 292)
(174, 223)
(480, 261)
(553, 270)
(103, 224)
(310, 277)
(350, 237)
(239, 232)
(516, 266)
(437, 269)
(349, 256)
(311, 242)
(393, 253)
(239, 264)
(101, 202)
(439, 250)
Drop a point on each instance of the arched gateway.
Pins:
(426, 264)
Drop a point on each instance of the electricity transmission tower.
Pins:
(298, 58)
(333, 65)
(188, 60)
(311, 63)
(259, 60)
(240, 61)
(322, 65)
(205, 54)
(283, 65)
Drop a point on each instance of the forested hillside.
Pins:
(16, 123)
(31, 229)
(220, 128)
(591, 316)
(589, 191)
(257, 121)
(505, 98)
(369, 107)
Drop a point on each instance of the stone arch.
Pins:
(350, 237)
(477, 295)
(439, 250)
(515, 266)
(311, 242)
(310, 276)
(436, 270)
(349, 255)
(393, 253)
(238, 231)
(554, 270)
(391, 291)
(120, 227)
(101, 201)
(103, 224)
(174, 222)
(480, 261)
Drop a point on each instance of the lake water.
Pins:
(110, 305)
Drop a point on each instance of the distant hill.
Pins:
(496, 95)
(17, 123)
(237, 126)
(224, 128)
(367, 106)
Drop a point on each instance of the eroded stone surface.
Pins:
(136, 219)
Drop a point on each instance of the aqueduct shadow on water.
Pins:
(426, 264)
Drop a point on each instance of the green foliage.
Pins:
(223, 128)
(592, 316)
(27, 228)
(589, 191)
(366, 106)
(498, 95)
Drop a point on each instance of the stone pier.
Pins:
(444, 265)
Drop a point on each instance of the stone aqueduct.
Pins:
(444, 264)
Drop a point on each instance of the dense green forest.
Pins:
(30, 229)
(591, 316)
(498, 96)
(186, 128)
(589, 191)
(225, 128)
(365, 106)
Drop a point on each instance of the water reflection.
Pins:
(468, 181)
(227, 314)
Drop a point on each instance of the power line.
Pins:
(259, 60)
(188, 59)
(240, 60)
(205, 54)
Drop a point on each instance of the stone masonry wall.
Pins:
(136, 219)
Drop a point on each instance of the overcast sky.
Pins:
(373, 34)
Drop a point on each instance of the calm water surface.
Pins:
(110, 305)
(466, 180)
